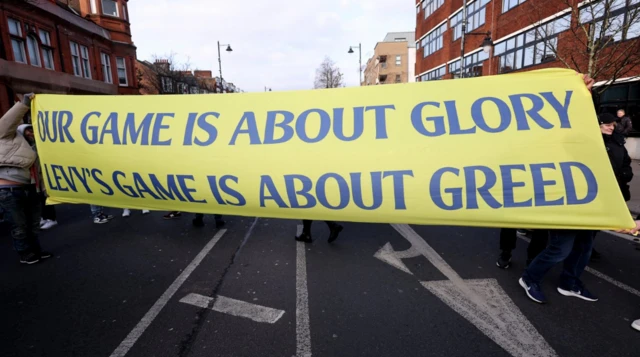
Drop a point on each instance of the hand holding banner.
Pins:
(521, 150)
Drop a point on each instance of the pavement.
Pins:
(144, 286)
(634, 185)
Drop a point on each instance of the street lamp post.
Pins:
(220, 60)
(487, 44)
(360, 59)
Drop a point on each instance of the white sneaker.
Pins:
(42, 222)
(636, 325)
(145, 211)
(126, 212)
(49, 224)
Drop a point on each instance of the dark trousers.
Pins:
(48, 212)
(22, 209)
(571, 246)
(306, 225)
(539, 240)
(217, 217)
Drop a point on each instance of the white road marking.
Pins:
(602, 276)
(393, 258)
(481, 302)
(235, 307)
(148, 318)
(303, 331)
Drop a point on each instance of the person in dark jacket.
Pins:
(618, 155)
(624, 124)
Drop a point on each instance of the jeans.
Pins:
(22, 209)
(96, 210)
(571, 246)
(539, 240)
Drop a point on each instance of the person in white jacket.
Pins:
(18, 195)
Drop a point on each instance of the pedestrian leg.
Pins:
(305, 236)
(508, 238)
(559, 248)
(574, 265)
(539, 241)
(219, 221)
(199, 220)
(14, 203)
(334, 230)
(33, 215)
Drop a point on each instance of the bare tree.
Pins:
(162, 70)
(328, 75)
(598, 38)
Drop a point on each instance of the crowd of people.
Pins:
(23, 200)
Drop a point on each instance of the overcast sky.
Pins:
(276, 43)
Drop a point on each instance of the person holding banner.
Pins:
(508, 238)
(305, 236)
(18, 195)
(573, 247)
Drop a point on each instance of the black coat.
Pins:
(620, 162)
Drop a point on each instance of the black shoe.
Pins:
(335, 231)
(198, 222)
(595, 255)
(220, 223)
(304, 238)
(504, 261)
(29, 258)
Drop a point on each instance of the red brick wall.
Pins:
(500, 24)
(61, 33)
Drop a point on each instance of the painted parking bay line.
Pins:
(482, 302)
(148, 318)
(234, 307)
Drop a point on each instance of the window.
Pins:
(433, 75)
(430, 6)
(75, 59)
(124, 12)
(86, 63)
(194, 90)
(433, 41)
(167, 85)
(533, 47)
(510, 4)
(398, 60)
(476, 16)
(106, 67)
(613, 20)
(121, 65)
(400, 39)
(17, 41)
(34, 51)
(110, 7)
(94, 9)
(47, 49)
(472, 65)
(182, 88)
(398, 78)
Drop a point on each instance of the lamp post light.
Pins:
(360, 60)
(487, 44)
(220, 60)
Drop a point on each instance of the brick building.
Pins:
(65, 47)
(536, 34)
(393, 60)
(160, 77)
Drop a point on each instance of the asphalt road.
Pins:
(143, 286)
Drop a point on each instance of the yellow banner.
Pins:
(521, 150)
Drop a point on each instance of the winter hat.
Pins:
(606, 118)
(23, 127)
